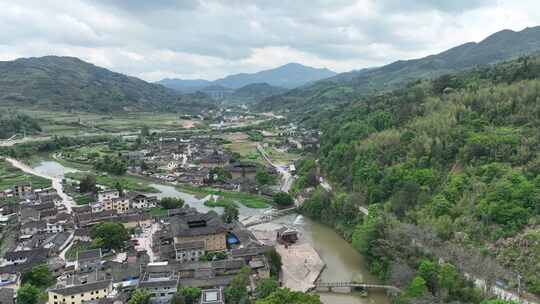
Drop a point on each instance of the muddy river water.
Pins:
(343, 262)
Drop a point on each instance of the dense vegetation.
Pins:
(30, 149)
(449, 168)
(108, 235)
(331, 93)
(67, 83)
(17, 123)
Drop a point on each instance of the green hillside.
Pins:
(67, 83)
(449, 169)
(350, 86)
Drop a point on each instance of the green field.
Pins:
(129, 183)
(10, 176)
(78, 123)
(249, 200)
(220, 203)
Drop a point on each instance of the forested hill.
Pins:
(69, 83)
(329, 93)
(254, 92)
(450, 169)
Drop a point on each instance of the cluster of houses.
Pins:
(291, 138)
(185, 249)
(196, 161)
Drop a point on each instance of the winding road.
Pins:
(286, 177)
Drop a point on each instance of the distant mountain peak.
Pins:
(500, 46)
(290, 75)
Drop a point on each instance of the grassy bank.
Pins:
(129, 183)
(10, 176)
(249, 200)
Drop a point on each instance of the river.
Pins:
(343, 262)
(50, 170)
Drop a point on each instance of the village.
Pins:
(102, 250)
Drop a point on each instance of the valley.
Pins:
(412, 182)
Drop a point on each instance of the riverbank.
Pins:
(301, 264)
(56, 180)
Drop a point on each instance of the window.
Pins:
(73, 297)
(55, 296)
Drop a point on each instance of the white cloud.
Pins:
(210, 39)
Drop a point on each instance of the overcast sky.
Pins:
(154, 39)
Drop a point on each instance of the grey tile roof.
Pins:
(189, 245)
(77, 289)
(196, 225)
(89, 254)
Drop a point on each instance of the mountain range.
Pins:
(68, 83)
(287, 76)
(350, 86)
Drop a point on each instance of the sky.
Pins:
(209, 39)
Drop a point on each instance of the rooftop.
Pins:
(196, 224)
(77, 289)
(89, 254)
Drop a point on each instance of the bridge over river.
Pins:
(346, 287)
(266, 218)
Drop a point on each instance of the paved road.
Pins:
(286, 177)
(145, 240)
(68, 202)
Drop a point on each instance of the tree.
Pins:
(230, 213)
(428, 271)
(118, 186)
(498, 301)
(219, 174)
(283, 199)
(28, 294)
(39, 276)
(88, 184)
(417, 288)
(109, 235)
(237, 291)
(139, 296)
(448, 278)
(145, 131)
(171, 202)
(265, 287)
(191, 295)
(286, 296)
(274, 259)
(263, 178)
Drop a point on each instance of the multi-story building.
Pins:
(108, 195)
(141, 201)
(23, 190)
(77, 294)
(160, 280)
(121, 205)
(189, 251)
(88, 261)
(207, 228)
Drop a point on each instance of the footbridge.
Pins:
(265, 218)
(345, 287)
